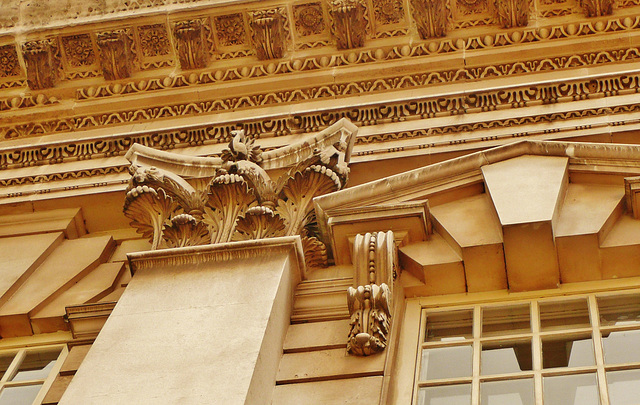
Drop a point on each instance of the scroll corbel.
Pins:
(370, 302)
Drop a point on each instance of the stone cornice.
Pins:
(194, 255)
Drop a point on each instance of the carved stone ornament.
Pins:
(430, 17)
(349, 24)
(190, 44)
(115, 54)
(42, 71)
(233, 197)
(597, 8)
(268, 33)
(513, 13)
(375, 260)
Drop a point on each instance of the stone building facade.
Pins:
(320, 202)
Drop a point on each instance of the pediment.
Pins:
(525, 216)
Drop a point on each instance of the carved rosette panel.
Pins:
(230, 30)
(388, 12)
(268, 33)
(597, 8)
(191, 45)
(430, 17)
(154, 40)
(369, 302)
(240, 201)
(349, 25)
(512, 13)
(42, 65)
(309, 19)
(78, 50)
(9, 64)
(116, 58)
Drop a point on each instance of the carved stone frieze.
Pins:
(116, 58)
(430, 17)
(42, 65)
(370, 304)
(239, 200)
(268, 33)
(512, 13)
(9, 64)
(597, 8)
(190, 43)
(349, 25)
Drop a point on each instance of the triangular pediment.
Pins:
(525, 216)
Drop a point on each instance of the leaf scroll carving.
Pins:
(149, 210)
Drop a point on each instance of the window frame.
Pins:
(19, 355)
(403, 387)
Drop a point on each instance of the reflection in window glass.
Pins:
(506, 320)
(624, 387)
(505, 357)
(449, 326)
(446, 395)
(19, 395)
(36, 365)
(567, 352)
(564, 315)
(446, 362)
(620, 310)
(580, 389)
(621, 347)
(511, 392)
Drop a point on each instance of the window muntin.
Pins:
(571, 351)
(25, 372)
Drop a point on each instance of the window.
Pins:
(579, 350)
(25, 372)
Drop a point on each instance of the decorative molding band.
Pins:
(332, 91)
(216, 134)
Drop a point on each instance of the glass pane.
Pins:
(450, 326)
(5, 362)
(624, 387)
(580, 389)
(19, 395)
(447, 395)
(567, 352)
(505, 357)
(36, 365)
(512, 392)
(564, 315)
(446, 362)
(506, 320)
(620, 310)
(621, 347)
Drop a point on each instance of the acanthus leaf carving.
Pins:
(41, 62)
(369, 306)
(370, 301)
(190, 43)
(268, 33)
(116, 58)
(430, 17)
(185, 230)
(349, 25)
(512, 13)
(597, 8)
(149, 209)
(241, 201)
